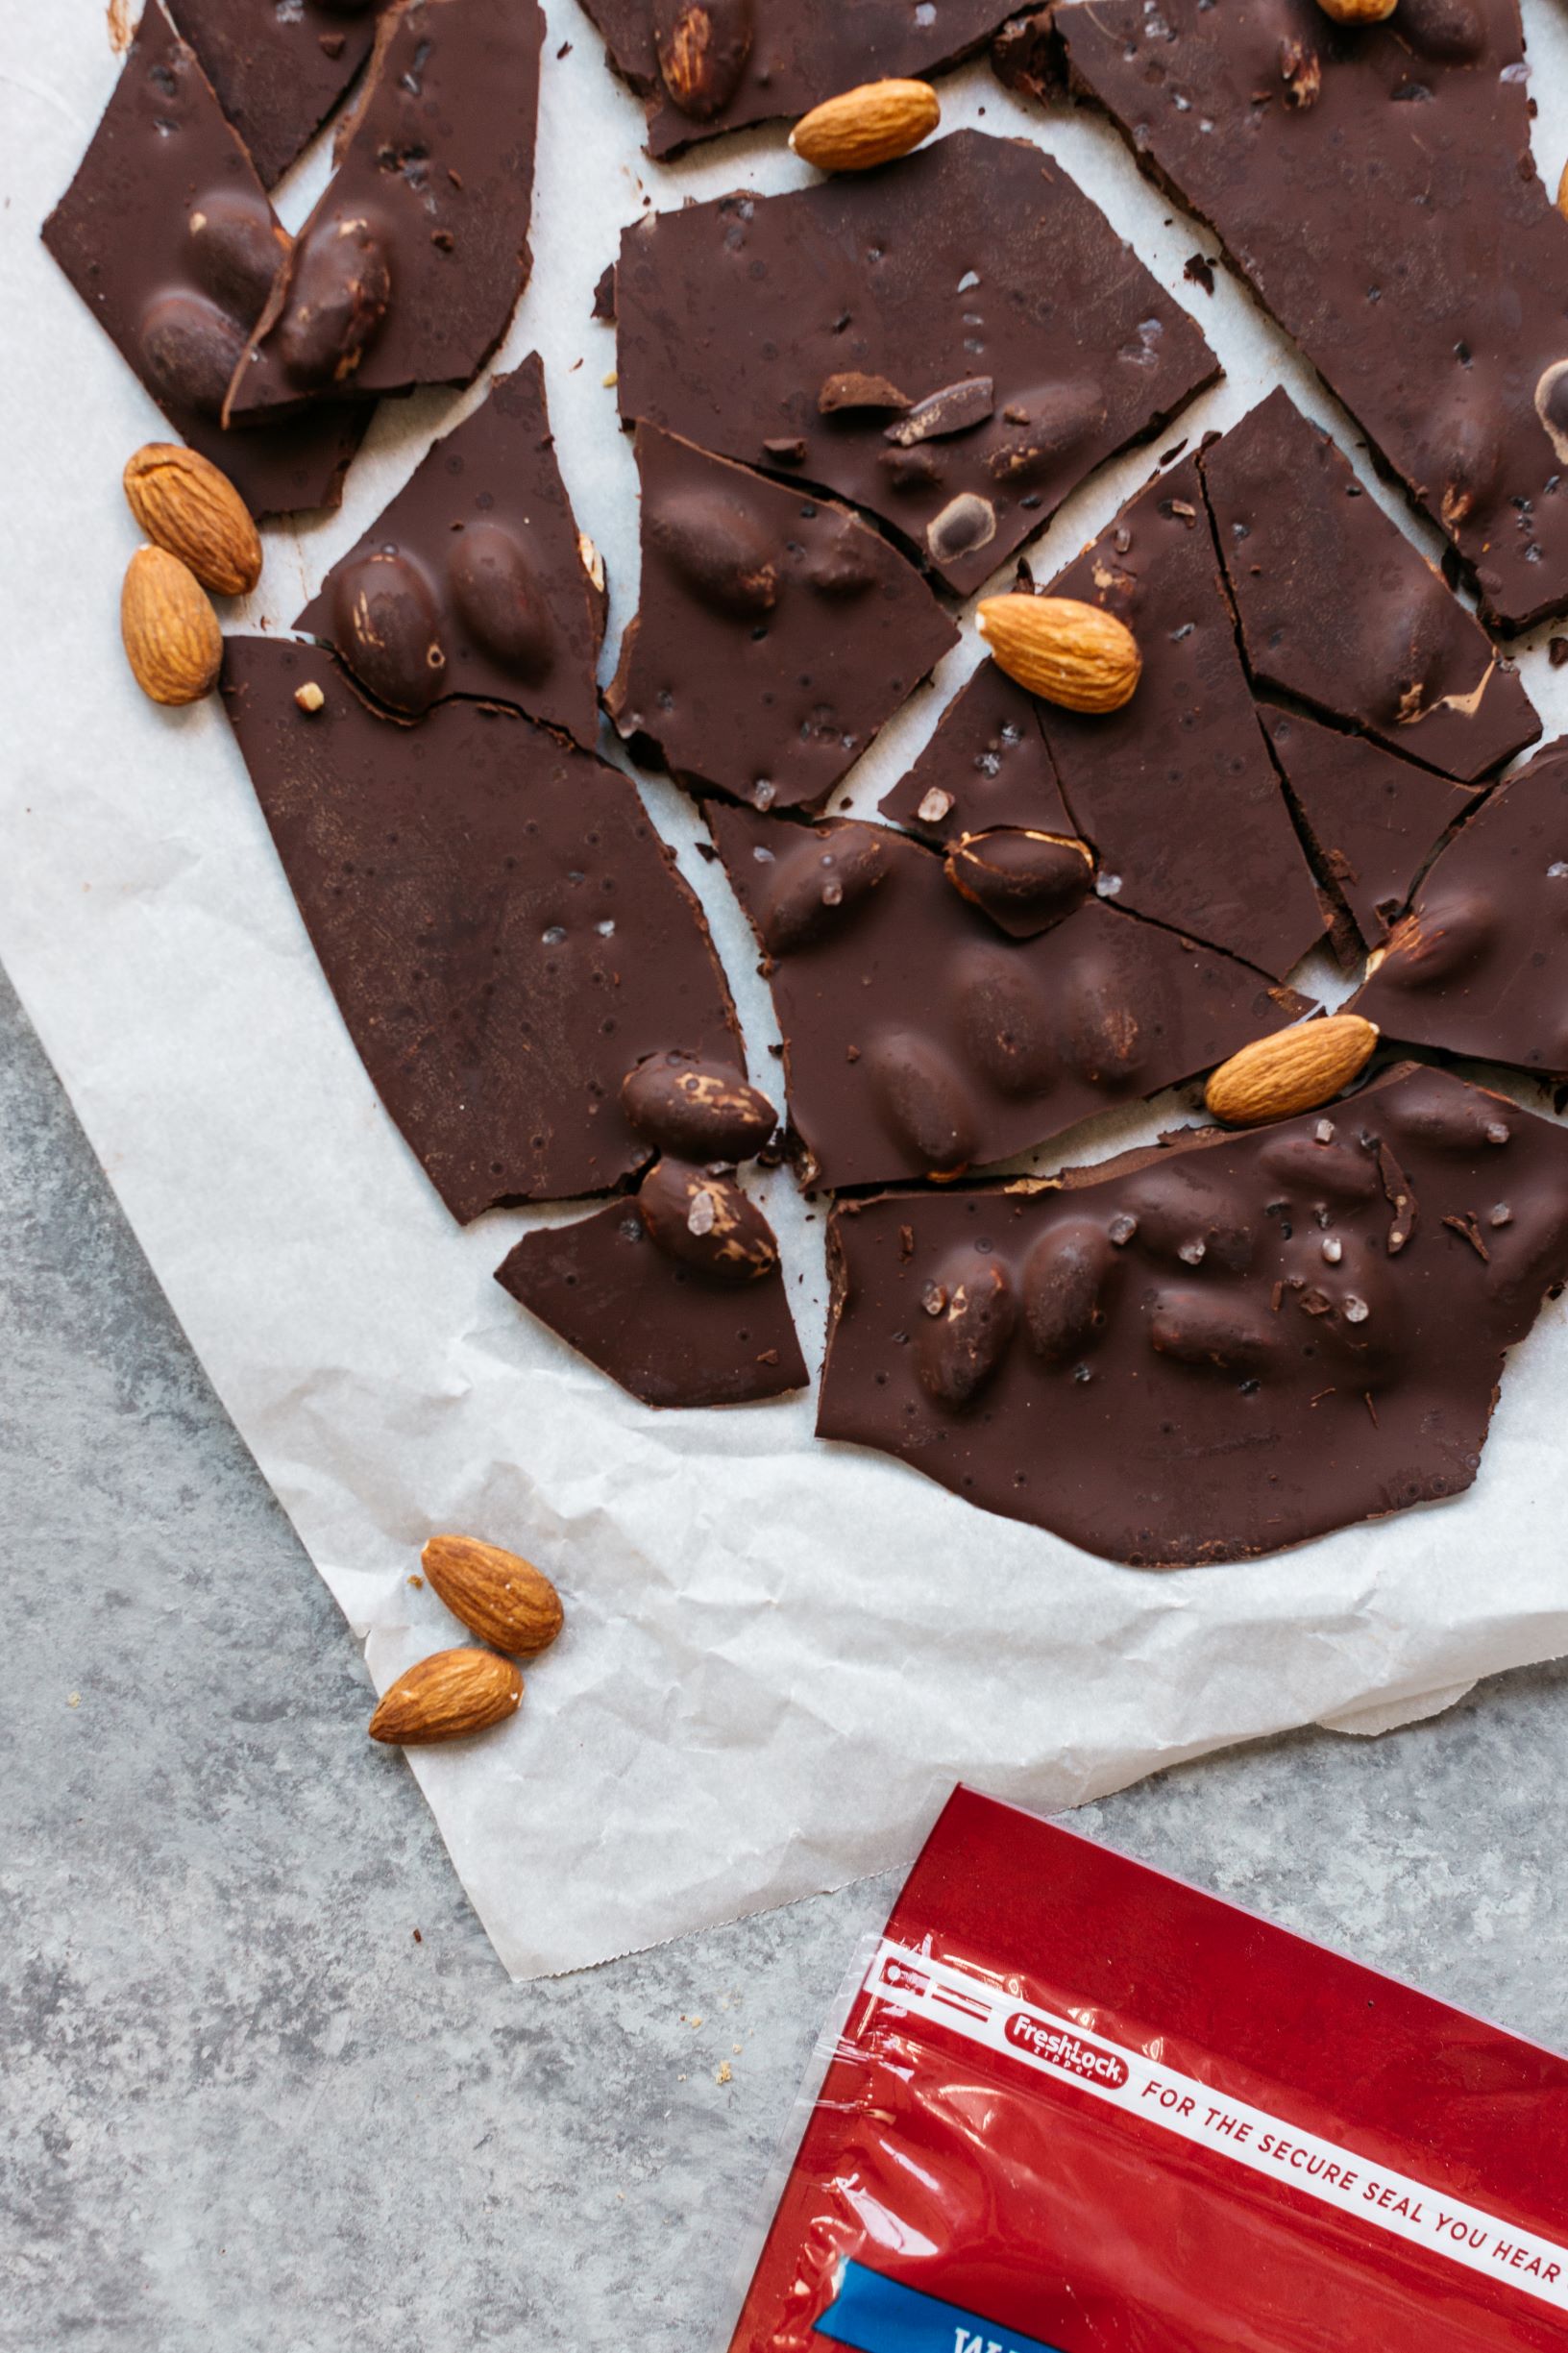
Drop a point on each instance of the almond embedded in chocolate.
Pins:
(697, 1109)
(706, 1221)
(387, 626)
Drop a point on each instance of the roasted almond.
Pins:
(498, 1596)
(185, 506)
(1064, 651)
(172, 639)
(1274, 1077)
(447, 1697)
(873, 124)
(1357, 12)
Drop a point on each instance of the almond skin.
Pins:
(1357, 12)
(446, 1698)
(1066, 653)
(172, 639)
(498, 1596)
(861, 127)
(185, 506)
(1274, 1077)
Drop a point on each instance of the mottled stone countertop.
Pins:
(265, 2085)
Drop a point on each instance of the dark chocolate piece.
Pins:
(503, 930)
(167, 235)
(1374, 819)
(774, 635)
(974, 257)
(745, 61)
(666, 1332)
(919, 1039)
(279, 70)
(986, 765)
(409, 268)
(1338, 607)
(1374, 184)
(1211, 1350)
(1479, 965)
(476, 580)
(1176, 790)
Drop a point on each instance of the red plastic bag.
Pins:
(1078, 2107)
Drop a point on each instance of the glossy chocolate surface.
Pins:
(986, 765)
(1375, 184)
(1479, 965)
(975, 260)
(483, 545)
(505, 933)
(1208, 1350)
(411, 266)
(279, 70)
(920, 1039)
(1338, 607)
(167, 235)
(774, 635)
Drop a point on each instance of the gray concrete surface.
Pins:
(262, 2084)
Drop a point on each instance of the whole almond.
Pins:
(1061, 650)
(873, 124)
(446, 1698)
(172, 639)
(184, 504)
(498, 1596)
(1274, 1077)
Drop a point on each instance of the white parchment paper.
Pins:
(776, 1652)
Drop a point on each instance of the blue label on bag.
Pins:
(878, 2316)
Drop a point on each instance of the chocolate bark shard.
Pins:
(504, 931)
(974, 257)
(411, 266)
(918, 1040)
(777, 632)
(986, 765)
(1338, 607)
(485, 537)
(1375, 819)
(277, 71)
(167, 235)
(1176, 790)
(666, 1333)
(1353, 175)
(798, 53)
(1479, 965)
(1207, 1350)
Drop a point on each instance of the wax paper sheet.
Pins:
(775, 1651)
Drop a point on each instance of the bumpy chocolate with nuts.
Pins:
(476, 580)
(954, 343)
(1338, 607)
(921, 1038)
(1479, 965)
(410, 267)
(1209, 1350)
(279, 71)
(702, 67)
(775, 634)
(1375, 184)
(167, 235)
(504, 932)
